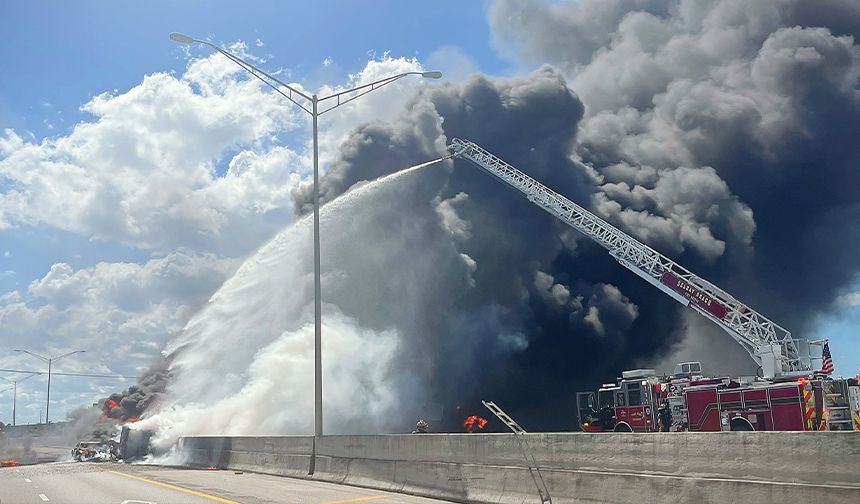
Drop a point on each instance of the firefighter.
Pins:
(421, 427)
(606, 417)
(664, 416)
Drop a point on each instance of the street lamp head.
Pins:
(432, 75)
(180, 38)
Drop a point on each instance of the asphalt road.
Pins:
(92, 483)
(34, 450)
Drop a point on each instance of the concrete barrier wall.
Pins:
(778, 467)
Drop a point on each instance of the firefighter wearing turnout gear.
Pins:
(421, 427)
(664, 416)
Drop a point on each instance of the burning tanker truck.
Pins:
(790, 391)
(133, 444)
(122, 409)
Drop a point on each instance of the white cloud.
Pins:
(143, 172)
(121, 313)
(850, 299)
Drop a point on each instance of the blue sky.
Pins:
(59, 55)
(77, 50)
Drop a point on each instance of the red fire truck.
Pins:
(787, 393)
(641, 401)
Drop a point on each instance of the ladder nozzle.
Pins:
(457, 147)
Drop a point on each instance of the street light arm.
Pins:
(367, 88)
(372, 86)
(68, 354)
(27, 378)
(259, 74)
(41, 358)
(256, 72)
(18, 381)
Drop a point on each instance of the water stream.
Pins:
(244, 363)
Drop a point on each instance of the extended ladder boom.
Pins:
(769, 344)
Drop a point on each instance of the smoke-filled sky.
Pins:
(137, 176)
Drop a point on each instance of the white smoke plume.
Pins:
(244, 364)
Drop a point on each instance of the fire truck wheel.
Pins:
(622, 427)
(741, 424)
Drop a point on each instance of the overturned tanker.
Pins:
(134, 444)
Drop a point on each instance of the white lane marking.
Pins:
(27, 480)
(136, 502)
(44, 497)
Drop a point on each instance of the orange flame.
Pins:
(111, 404)
(8, 463)
(474, 421)
(132, 419)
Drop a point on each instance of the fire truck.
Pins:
(642, 401)
(786, 393)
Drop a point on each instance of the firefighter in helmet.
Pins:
(664, 416)
(420, 427)
(606, 417)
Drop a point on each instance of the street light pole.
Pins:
(339, 98)
(318, 412)
(50, 361)
(15, 394)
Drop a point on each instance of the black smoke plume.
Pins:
(132, 403)
(720, 133)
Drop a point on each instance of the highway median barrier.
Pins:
(761, 467)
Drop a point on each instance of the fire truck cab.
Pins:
(596, 411)
(630, 405)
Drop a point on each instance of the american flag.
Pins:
(827, 361)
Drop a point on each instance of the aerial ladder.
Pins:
(769, 344)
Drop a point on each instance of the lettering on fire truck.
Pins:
(702, 300)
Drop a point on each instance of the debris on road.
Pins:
(95, 451)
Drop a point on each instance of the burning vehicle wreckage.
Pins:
(96, 451)
(104, 433)
(110, 439)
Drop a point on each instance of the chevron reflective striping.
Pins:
(808, 406)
